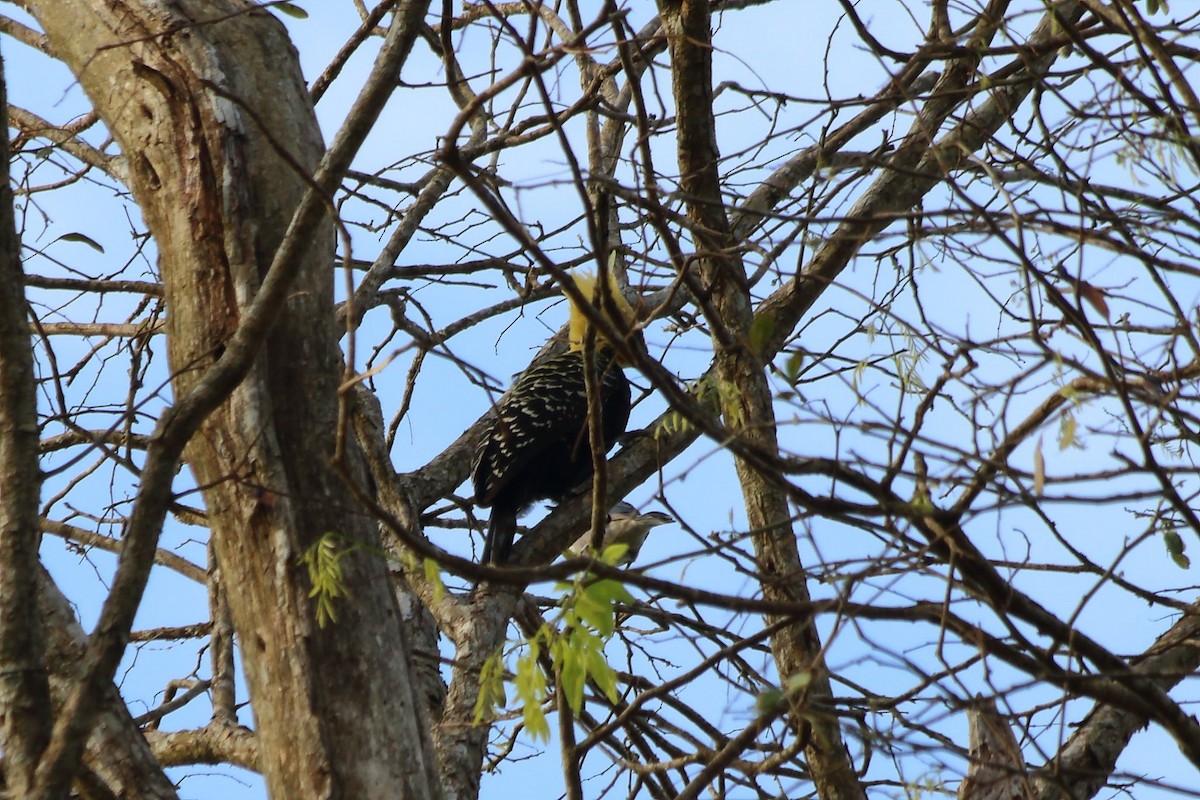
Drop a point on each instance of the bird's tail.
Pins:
(502, 529)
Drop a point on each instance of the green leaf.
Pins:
(82, 239)
(491, 688)
(596, 604)
(536, 723)
(1174, 543)
(1066, 430)
(434, 576)
(595, 613)
(769, 700)
(609, 591)
(613, 553)
(732, 406)
(572, 674)
(772, 700)
(292, 10)
(588, 622)
(798, 681)
(791, 367)
(531, 690)
(760, 331)
(602, 674)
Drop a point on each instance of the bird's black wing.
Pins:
(546, 409)
(537, 447)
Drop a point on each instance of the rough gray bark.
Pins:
(24, 687)
(997, 768)
(221, 140)
(116, 753)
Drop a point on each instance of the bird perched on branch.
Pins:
(536, 447)
(628, 526)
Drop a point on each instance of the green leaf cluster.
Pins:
(531, 687)
(674, 422)
(907, 363)
(573, 650)
(323, 558)
(491, 687)
(671, 423)
(589, 620)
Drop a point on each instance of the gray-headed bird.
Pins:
(628, 526)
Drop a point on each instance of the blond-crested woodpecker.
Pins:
(536, 447)
(628, 526)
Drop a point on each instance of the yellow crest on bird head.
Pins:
(603, 301)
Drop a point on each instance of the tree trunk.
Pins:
(747, 405)
(207, 102)
(997, 768)
(24, 686)
(116, 753)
